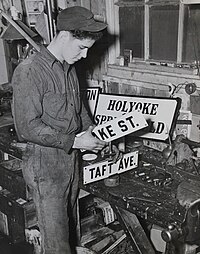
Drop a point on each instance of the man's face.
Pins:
(76, 50)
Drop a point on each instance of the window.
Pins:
(159, 30)
(163, 32)
(131, 23)
(191, 35)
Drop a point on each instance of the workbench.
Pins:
(166, 205)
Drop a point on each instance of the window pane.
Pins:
(131, 23)
(163, 32)
(191, 38)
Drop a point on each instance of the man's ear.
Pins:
(63, 37)
(65, 33)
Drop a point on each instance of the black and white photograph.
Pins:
(99, 126)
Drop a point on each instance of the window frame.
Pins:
(113, 26)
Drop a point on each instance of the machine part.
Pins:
(171, 234)
(189, 197)
(155, 236)
(112, 181)
(167, 151)
(89, 157)
(143, 199)
(192, 224)
(108, 152)
(190, 142)
(190, 88)
(180, 151)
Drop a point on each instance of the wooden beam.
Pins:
(180, 33)
(122, 3)
(163, 2)
(149, 76)
(190, 1)
(146, 31)
(112, 18)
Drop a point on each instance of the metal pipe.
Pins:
(50, 20)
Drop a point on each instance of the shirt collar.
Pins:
(51, 59)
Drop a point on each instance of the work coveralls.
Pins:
(48, 114)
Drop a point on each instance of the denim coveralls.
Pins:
(48, 114)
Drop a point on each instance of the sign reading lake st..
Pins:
(120, 126)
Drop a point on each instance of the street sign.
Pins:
(90, 97)
(101, 170)
(160, 113)
(120, 126)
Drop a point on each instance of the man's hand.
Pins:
(87, 141)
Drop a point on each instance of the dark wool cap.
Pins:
(78, 18)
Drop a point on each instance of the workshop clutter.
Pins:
(106, 209)
(100, 230)
(17, 210)
(33, 237)
(11, 177)
(16, 215)
(156, 238)
(82, 250)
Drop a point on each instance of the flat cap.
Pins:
(78, 18)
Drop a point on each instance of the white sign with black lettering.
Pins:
(158, 112)
(90, 97)
(120, 126)
(104, 169)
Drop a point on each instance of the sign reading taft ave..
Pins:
(158, 112)
(104, 169)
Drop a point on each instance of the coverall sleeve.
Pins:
(86, 119)
(28, 90)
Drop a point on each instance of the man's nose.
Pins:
(84, 53)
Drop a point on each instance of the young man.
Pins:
(48, 115)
